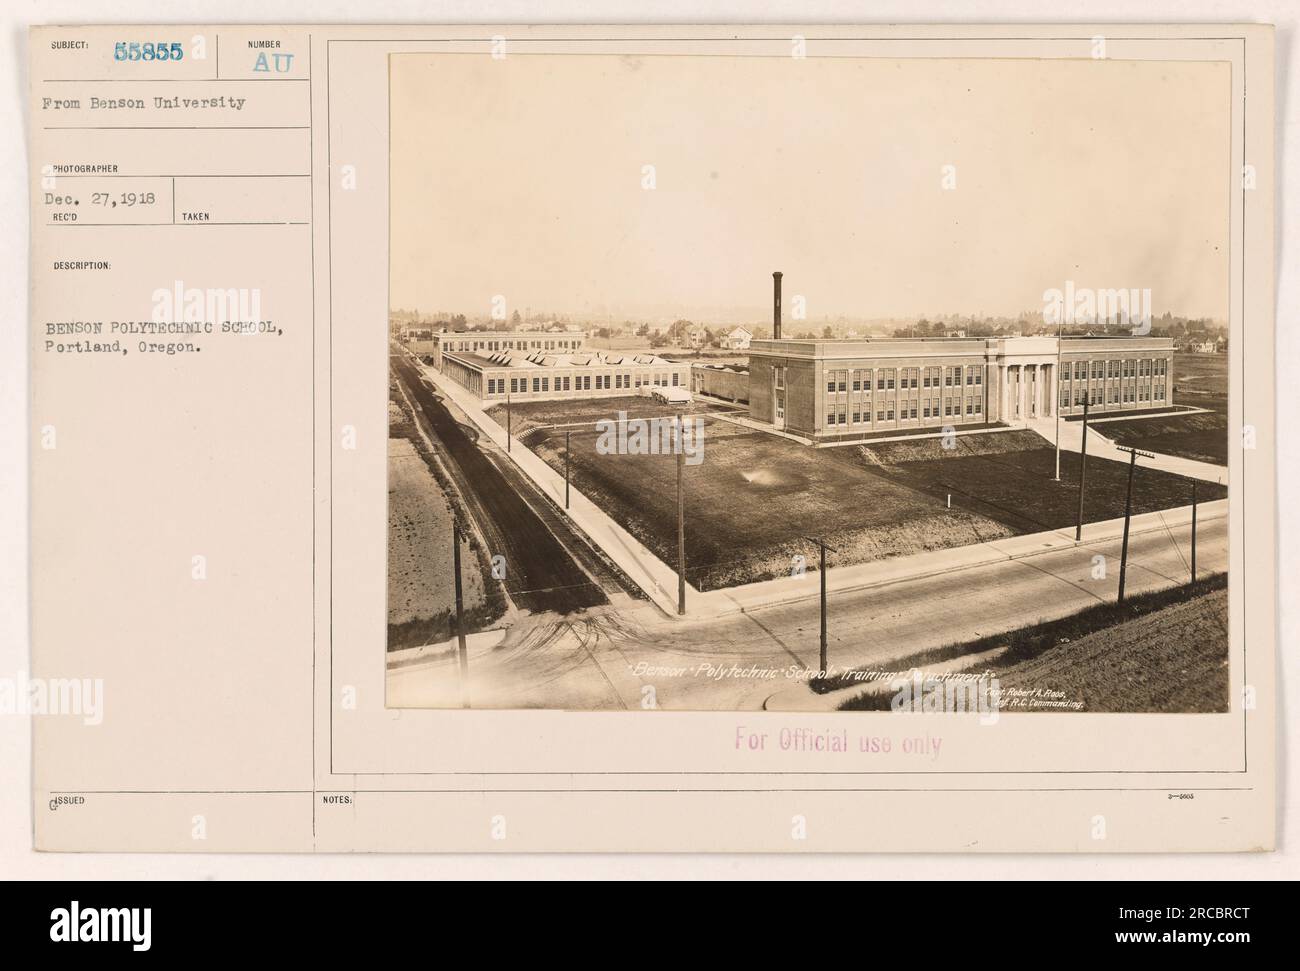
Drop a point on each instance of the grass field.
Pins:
(755, 498)
(1201, 380)
(421, 595)
(1165, 651)
(1202, 436)
(527, 416)
(1008, 477)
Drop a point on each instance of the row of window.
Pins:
(1114, 395)
(1096, 370)
(838, 382)
(583, 382)
(906, 410)
(514, 344)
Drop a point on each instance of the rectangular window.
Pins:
(880, 416)
(889, 415)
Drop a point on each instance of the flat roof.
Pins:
(856, 347)
(551, 359)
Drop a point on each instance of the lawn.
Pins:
(1202, 436)
(525, 416)
(1201, 380)
(1164, 651)
(755, 499)
(1008, 477)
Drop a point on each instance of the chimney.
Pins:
(776, 305)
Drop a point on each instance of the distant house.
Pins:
(697, 337)
(737, 339)
(1205, 347)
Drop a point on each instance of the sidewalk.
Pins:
(1102, 447)
(659, 581)
(899, 569)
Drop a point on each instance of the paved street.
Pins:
(591, 661)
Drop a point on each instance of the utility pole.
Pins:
(507, 422)
(821, 545)
(463, 651)
(1193, 530)
(1056, 402)
(566, 468)
(1128, 513)
(1083, 468)
(681, 521)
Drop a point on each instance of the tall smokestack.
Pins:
(776, 305)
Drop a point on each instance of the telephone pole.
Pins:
(566, 468)
(508, 422)
(1193, 530)
(681, 521)
(1083, 468)
(823, 547)
(1128, 513)
(1056, 390)
(462, 650)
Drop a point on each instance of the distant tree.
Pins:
(680, 330)
(827, 333)
(643, 330)
(659, 340)
(603, 332)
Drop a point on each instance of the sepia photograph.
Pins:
(808, 384)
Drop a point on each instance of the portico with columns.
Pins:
(1026, 371)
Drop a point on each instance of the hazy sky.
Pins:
(523, 177)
